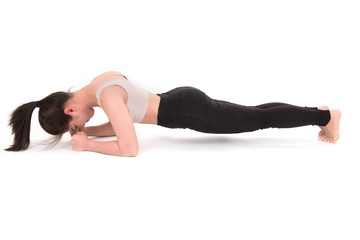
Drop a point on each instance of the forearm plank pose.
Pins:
(183, 107)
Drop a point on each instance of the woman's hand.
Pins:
(77, 129)
(79, 141)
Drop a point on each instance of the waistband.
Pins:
(164, 102)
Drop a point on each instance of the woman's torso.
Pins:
(154, 100)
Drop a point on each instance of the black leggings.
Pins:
(188, 107)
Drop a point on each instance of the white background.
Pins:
(270, 184)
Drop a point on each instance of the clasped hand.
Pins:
(79, 141)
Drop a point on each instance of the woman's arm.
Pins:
(112, 100)
(104, 130)
(81, 142)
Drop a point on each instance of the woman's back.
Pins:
(152, 104)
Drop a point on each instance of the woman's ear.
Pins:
(68, 110)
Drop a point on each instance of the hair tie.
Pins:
(37, 104)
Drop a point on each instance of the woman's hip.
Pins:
(181, 105)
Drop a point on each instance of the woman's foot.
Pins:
(323, 108)
(330, 132)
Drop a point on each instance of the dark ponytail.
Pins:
(20, 122)
(51, 118)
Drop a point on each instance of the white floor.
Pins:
(270, 184)
(279, 184)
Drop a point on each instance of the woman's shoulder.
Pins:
(99, 83)
(106, 76)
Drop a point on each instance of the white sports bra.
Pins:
(137, 99)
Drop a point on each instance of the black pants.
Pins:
(188, 107)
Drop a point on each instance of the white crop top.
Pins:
(137, 99)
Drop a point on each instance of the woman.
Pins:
(184, 107)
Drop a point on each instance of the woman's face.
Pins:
(80, 116)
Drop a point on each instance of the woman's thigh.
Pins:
(191, 108)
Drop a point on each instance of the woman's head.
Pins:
(52, 119)
(80, 114)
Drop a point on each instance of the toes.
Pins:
(324, 138)
(321, 133)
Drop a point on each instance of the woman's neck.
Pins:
(85, 97)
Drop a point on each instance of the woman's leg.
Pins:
(281, 115)
(188, 107)
(270, 105)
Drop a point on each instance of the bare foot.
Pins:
(330, 132)
(323, 108)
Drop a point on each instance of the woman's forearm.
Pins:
(104, 130)
(111, 148)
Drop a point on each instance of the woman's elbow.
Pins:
(128, 150)
(133, 153)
